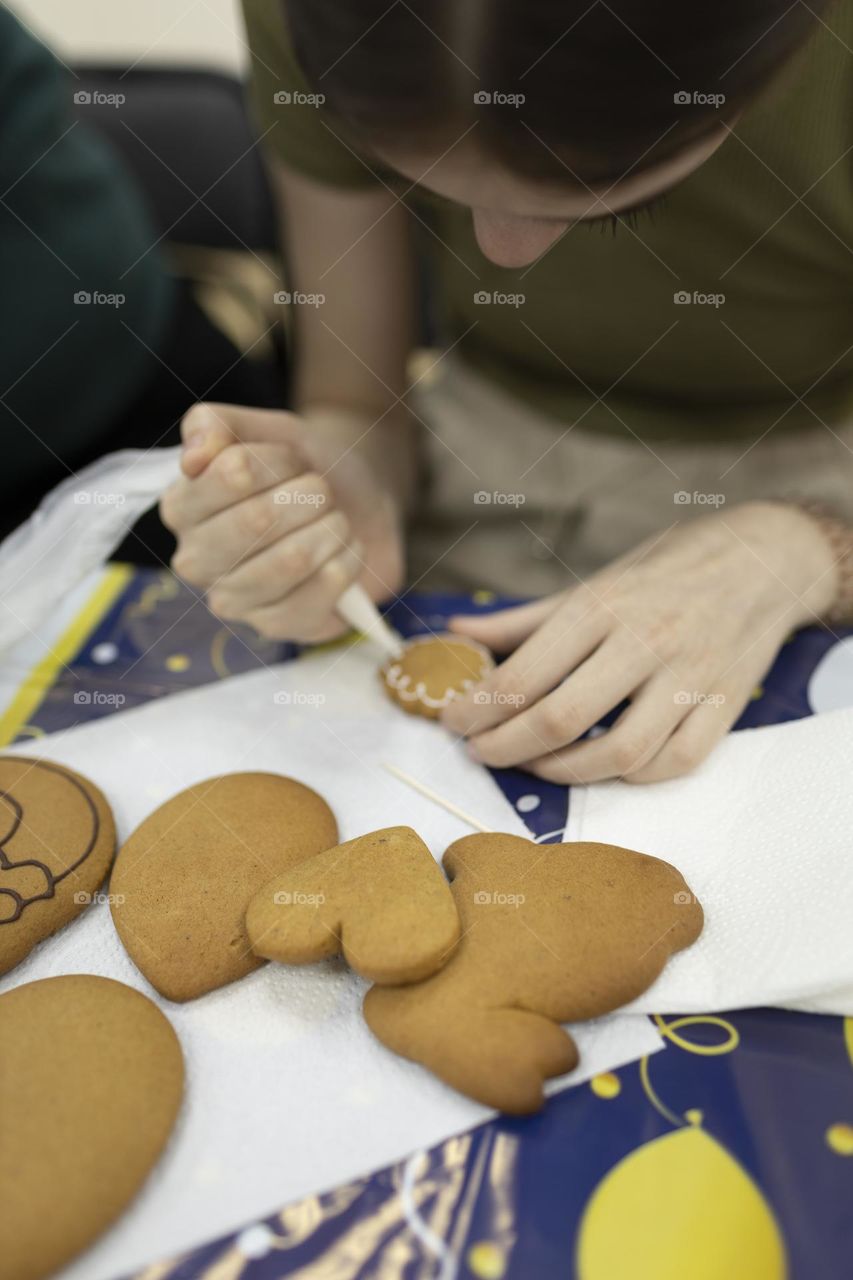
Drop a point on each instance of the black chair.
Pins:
(187, 138)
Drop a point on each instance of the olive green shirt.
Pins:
(729, 313)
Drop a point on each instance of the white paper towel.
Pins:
(287, 1091)
(74, 530)
(763, 833)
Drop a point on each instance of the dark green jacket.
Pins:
(71, 224)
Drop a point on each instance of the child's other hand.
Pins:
(684, 629)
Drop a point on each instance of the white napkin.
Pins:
(763, 833)
(288, 1093)
(75, 530)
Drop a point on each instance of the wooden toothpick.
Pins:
(434, 796)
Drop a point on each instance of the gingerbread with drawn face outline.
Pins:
(57, 841)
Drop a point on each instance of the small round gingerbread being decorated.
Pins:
(432, 670)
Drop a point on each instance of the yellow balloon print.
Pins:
(848, 1036)
(679, 1206)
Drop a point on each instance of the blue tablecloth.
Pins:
(728, 1156)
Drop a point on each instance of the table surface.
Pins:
(728, 1156)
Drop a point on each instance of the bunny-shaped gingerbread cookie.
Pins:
(550, 934)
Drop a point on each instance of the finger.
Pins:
(695, 738)
(505, 629)
(712, 710)
(564, 639)
(263, 579)
(615, 670)
(217, 546)
(636, 738)
(308, 613)
(236, 473)
(209, 428)
(204, 433)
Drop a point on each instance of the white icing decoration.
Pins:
(400, 681)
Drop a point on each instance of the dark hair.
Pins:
(607, 87)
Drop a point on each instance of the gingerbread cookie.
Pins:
(381, 901)
(432, 671)
(550, 934)
(91, 1074)
(184, 879)
(57, 840)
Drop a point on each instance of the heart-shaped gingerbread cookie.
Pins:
(382, 901)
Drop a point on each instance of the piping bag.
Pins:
(78, 526)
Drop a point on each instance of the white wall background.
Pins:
(208, 33)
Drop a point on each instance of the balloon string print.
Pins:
(653, 1098)
(12, 870)
(669, 1031)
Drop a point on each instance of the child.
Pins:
(616, 423)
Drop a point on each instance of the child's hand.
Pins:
(684, 629)
(273, 523)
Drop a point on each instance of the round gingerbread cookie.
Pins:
(432, 671)
(57, 840)
(91, 1074)
(184, 879)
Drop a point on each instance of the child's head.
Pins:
(544, 111)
